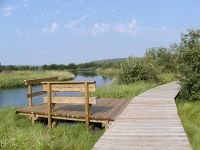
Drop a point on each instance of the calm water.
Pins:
(17, 96)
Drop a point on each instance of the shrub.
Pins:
(164, 59)
(189, 65)
(136, 69)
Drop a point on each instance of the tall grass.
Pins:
(17, 133)
(16, 78)
(189, 113)
(166, 77)
(108, 72)
(123, 90)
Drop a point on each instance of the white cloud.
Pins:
(8, 10)
(75, 22)
(52, 28)
(100, 28)
(130, 28)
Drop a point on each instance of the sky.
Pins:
(37, 32)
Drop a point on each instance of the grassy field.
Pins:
(16, 78)
(189, 113)
(17, 133)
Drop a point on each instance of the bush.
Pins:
(136, 69)
(164, 59)
(189, 65)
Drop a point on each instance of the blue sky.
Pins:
(37, 32)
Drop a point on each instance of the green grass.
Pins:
(17, 133)
(123, 90)
(166, 77)
(189, 113)
(109, 73)
(16, 78)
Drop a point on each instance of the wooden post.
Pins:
(87, 113)
(49, 105)
(30, 104)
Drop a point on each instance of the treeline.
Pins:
(16, 67)
(70, 66)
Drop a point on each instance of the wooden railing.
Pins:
(33, 82)
(69, 86)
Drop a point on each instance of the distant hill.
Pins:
(109, 60)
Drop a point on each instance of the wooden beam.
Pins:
(49, 106)
(67, 82)
(30, 104)
(70, 87)
(38, 81)
(70, 100)
(87, 105)
(36, 94)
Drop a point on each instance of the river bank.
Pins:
(16, 78)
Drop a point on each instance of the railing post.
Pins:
(49, 106)
(30, 104)
(87, 113)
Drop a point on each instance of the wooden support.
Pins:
(87, 113)
(33, 118)
(30, 104)
(49, 106)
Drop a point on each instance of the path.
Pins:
(149, 122)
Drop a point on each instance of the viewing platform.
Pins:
(75, 108)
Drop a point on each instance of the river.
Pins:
(17, 96)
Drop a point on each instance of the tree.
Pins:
(189, 65)
(137, 69)
(163, 59)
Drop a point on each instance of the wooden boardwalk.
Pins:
(149, 122)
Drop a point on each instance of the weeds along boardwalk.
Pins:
(149, 122)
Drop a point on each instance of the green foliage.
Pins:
(190, 116)
(189, 65)
(137, 69)
(17, 133)
(163, 59)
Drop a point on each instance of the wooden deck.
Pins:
(149, 122)
(105, 110)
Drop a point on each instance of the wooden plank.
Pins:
(104, 109)
(38, 81)
(36, 94)
(70, 100)
(69, 82)
(70, 87)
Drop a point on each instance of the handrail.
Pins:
(32, 82)
(39, 81)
